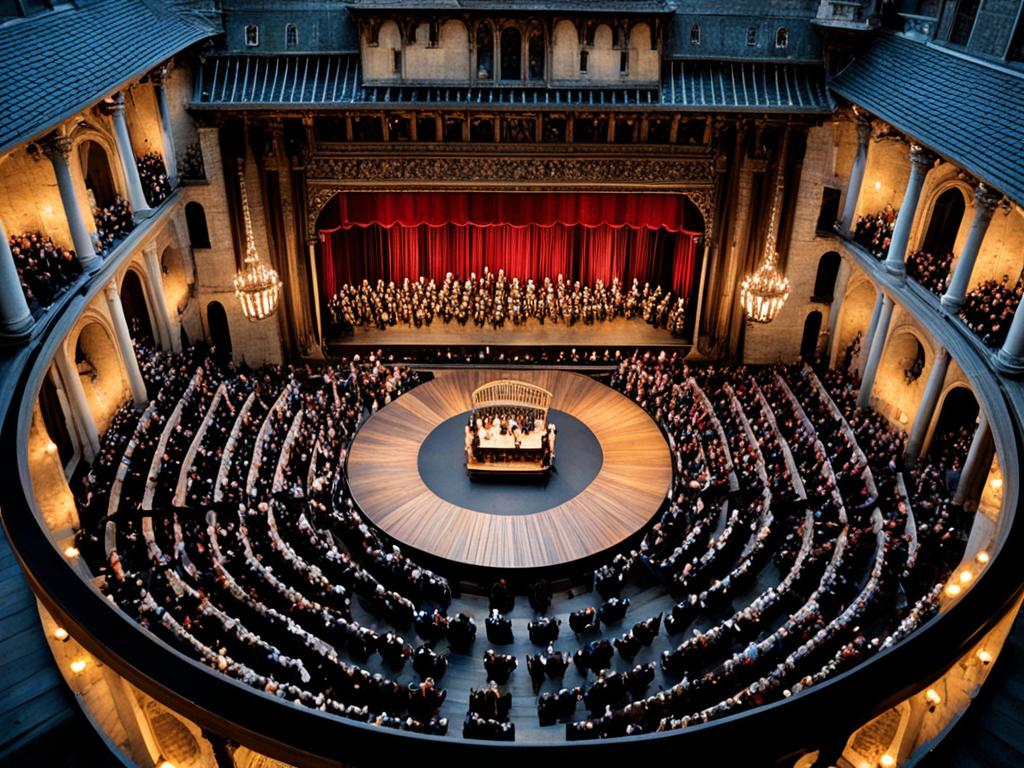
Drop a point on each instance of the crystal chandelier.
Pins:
(256, 285)
(763, 292)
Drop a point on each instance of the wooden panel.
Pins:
(628, 490)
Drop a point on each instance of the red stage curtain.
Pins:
(639, 211)
(684, 264)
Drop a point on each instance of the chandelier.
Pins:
(256, 285)
(764, 291)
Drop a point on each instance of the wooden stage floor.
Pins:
(628, 490)
(616, 333)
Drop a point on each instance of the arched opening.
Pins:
(99, 367)
(484, 52)
(220, 331)
(947, 213)
(825, 280)
(96, 171)
(849, 346)
(511, 54)
(136, 310)
(55, 420)
(901, 376)
(954, 429)
(195, 219)
(809, 341)
(535, 53)
(175, 279)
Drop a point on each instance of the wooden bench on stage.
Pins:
(486, 457)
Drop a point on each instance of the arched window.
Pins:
(484, 52)
(825, 281)
(781, 37)
(136, 310)
(535, 54)
(195, 218)
(252, 35)
(751, 37)
(96, 170)
(291, 36)
(944, 225)
(511, 54)
(220, 331)
(963, 21)
(809, 342)
(695, 34)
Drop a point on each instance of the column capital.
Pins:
(56, 145)
(117, 103)
(863, 129)
(921, 157)
(149, 250)
(110, 289)
(986, 198)
(159, 75)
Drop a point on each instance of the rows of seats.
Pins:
(792, 547)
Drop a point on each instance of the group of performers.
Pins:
(502, 433)
(494, 299)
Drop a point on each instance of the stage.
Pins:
(406, 473)
(619, 332)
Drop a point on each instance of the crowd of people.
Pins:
(989, 307)
(874, 231)
(44, 268)
(492, 300)
(793, 544)
(113, 223)
(931, 270)
(153, 175)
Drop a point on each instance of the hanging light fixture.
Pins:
(257, 286)
(764, 292)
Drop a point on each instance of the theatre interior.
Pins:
(511, 382)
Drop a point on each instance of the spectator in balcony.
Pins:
(113, 223)
(153, 175)
(989, 308)
(930, 270)
(45, 268)
(874, 231)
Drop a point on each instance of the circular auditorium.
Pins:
(511, 382)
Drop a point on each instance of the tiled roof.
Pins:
(334, 80)
(969, 112)
(532, 6)
(57, 63)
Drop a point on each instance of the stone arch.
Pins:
(565, 49)
(97, 171)
(92, 352)
(510, 49)
(219, 328)
(902, 372)
(825, 278)
(811, 334)
(483, 43)
(175, 274)
(945, 217)
(536, 47)
(854, 317)
(957, 408)
(195, 220)
(57, 422)
(137, 304)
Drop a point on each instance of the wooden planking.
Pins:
(632, 483)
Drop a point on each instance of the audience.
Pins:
(113, 223)
(989, 308)
(874, 231)
(153, 175)
(44, 268)
(930, 270)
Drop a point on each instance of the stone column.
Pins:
(1010, 358)
(926, 409)
(985, 201)
(920, 161)
(124, 344)
(127, 156)
(159, 79)
(977, 464)
(58, 149)
(169, 326)
(875, 353)
(15, 319)
(79, 404)
(866, 339)
(860, 163)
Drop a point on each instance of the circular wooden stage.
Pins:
(633, 480)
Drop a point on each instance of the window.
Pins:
(535, 53)
(828, 214)
(695, 34)
(484, 52)
(195, 220)
(252, 35)
(433, 35)
(963, 21)
(584, 61)
(397, 61)
(511, 54)
(624, 63)
(291, 36)
(781, 37)
(751, 36)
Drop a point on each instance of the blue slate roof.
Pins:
(305, 80)
(968, 112)
(57, 63)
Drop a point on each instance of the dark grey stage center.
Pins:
(442, 467)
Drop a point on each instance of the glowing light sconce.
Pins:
(952, 590)
(78, 666)
(878, 186)
(887, 761)
(984, 657)
(933, 696)
(71, 553)
(60, 634)
(982, 557)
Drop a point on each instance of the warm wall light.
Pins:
(887, 761)
(51, 448)
(965, 576)
(952, 590)
(78, 666)
(878, 186)
(60, 634)
(984, 656)
(71, 552)
(165, 764)
(982, 556)
(996, 483)
(933, 696)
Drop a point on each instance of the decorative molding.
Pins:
(694, 177)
